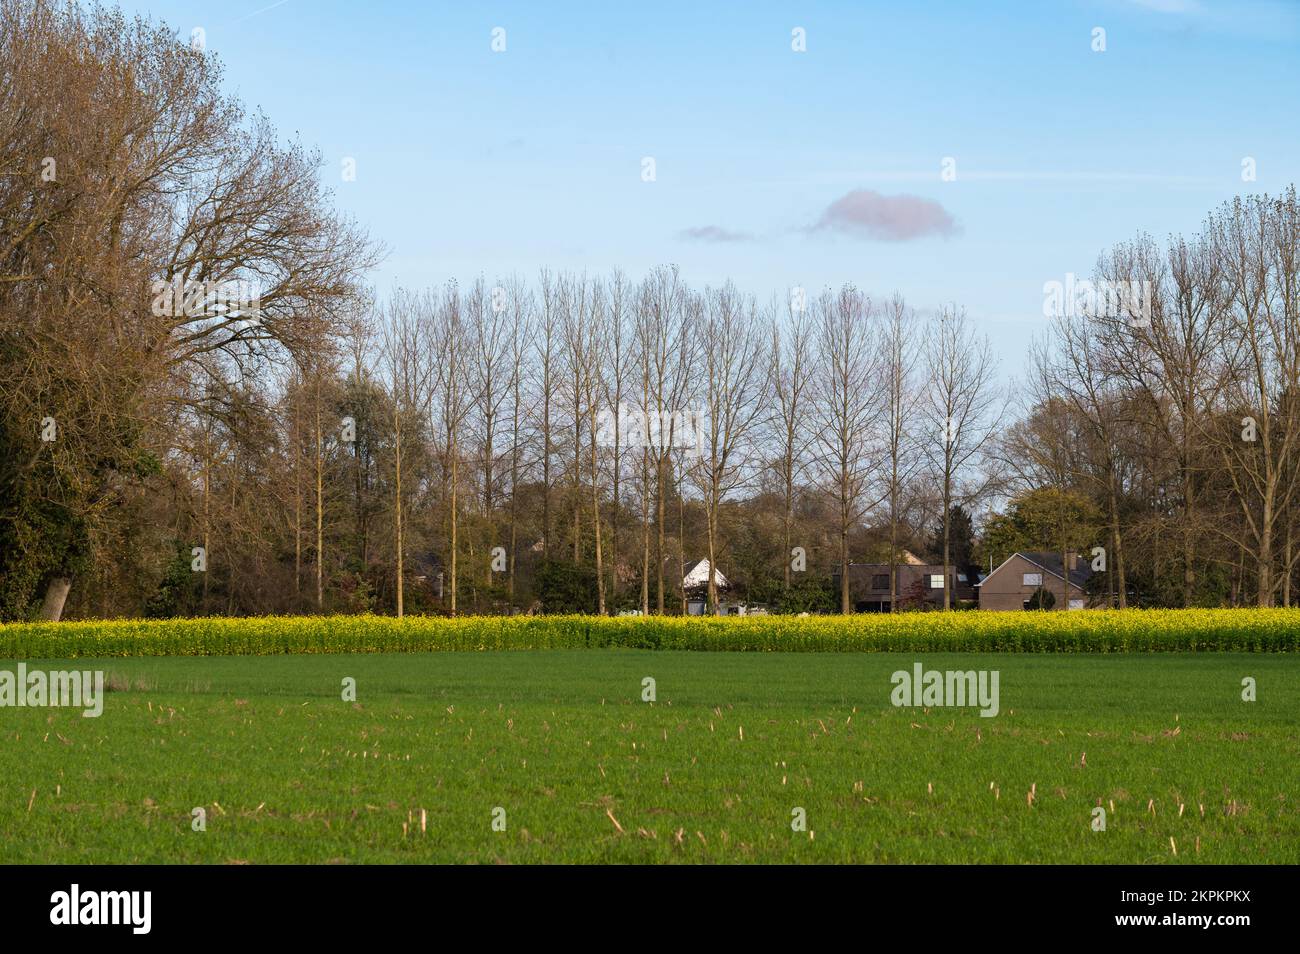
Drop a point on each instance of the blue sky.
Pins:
(470, 161)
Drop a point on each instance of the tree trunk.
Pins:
(713, 568)
(1117, 558)
(893, 545)
(297, 495)
(595, 514)
(659, 547)
(546, 455)
(454, 470)
(56, 594)
(789, 513)
(1188, 573)
(613, 533)
(320, 517)
(681, 538)
(577, 474)
(397, 506)
(645, 532)
(1286, 564)
(1264, 595)
(947, 535)
(844, 568)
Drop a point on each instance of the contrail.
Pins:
(249, 16)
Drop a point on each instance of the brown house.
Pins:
(920, 586)
(1013, 584)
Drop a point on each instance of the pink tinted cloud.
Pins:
(714, 233)
(888, 218)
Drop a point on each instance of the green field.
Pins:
(709, 772)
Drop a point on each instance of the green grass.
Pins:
(559, 739)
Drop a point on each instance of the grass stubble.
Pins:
(711, 771)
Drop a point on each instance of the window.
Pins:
(961, 577)
(936, 581)
(1032, 579)
(880, 581)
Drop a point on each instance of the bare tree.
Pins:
(847, 409)
(960, 399)
(732, 370)
(1079, 378)
(1170, 357)
(446, 338)
(668, 350)
(592, 384)
(791, 366)
(489, 382)
(900, 353)
(1254, 241)
(548, 345)
(404, 318)
(521, 328)
(575, 321)
(618, 360)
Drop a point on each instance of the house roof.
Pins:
(696, 573)
(862, 569)
(1050, 562)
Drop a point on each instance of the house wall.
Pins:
(862, 593)
(1004, 588)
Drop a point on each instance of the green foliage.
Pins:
(353, 593)
(40, 539)
(176, 592)
(961, 540)
(564, 587)
(1044, 519)
(807, 594)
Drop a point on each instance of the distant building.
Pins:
(1013, 585)
(695, 584)
(920, 586)
(699, 606)
(695, 576)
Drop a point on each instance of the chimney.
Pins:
(1071, 559)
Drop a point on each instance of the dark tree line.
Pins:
(203, 409)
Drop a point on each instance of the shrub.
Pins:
(566, 587)
(1043, 599)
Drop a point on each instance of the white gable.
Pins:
(699, 576)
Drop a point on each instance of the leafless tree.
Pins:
(446, 339)
(848, 412)
(731, 378)
(404, 321)
(959, 416)
(791, 367)
(900, 352)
